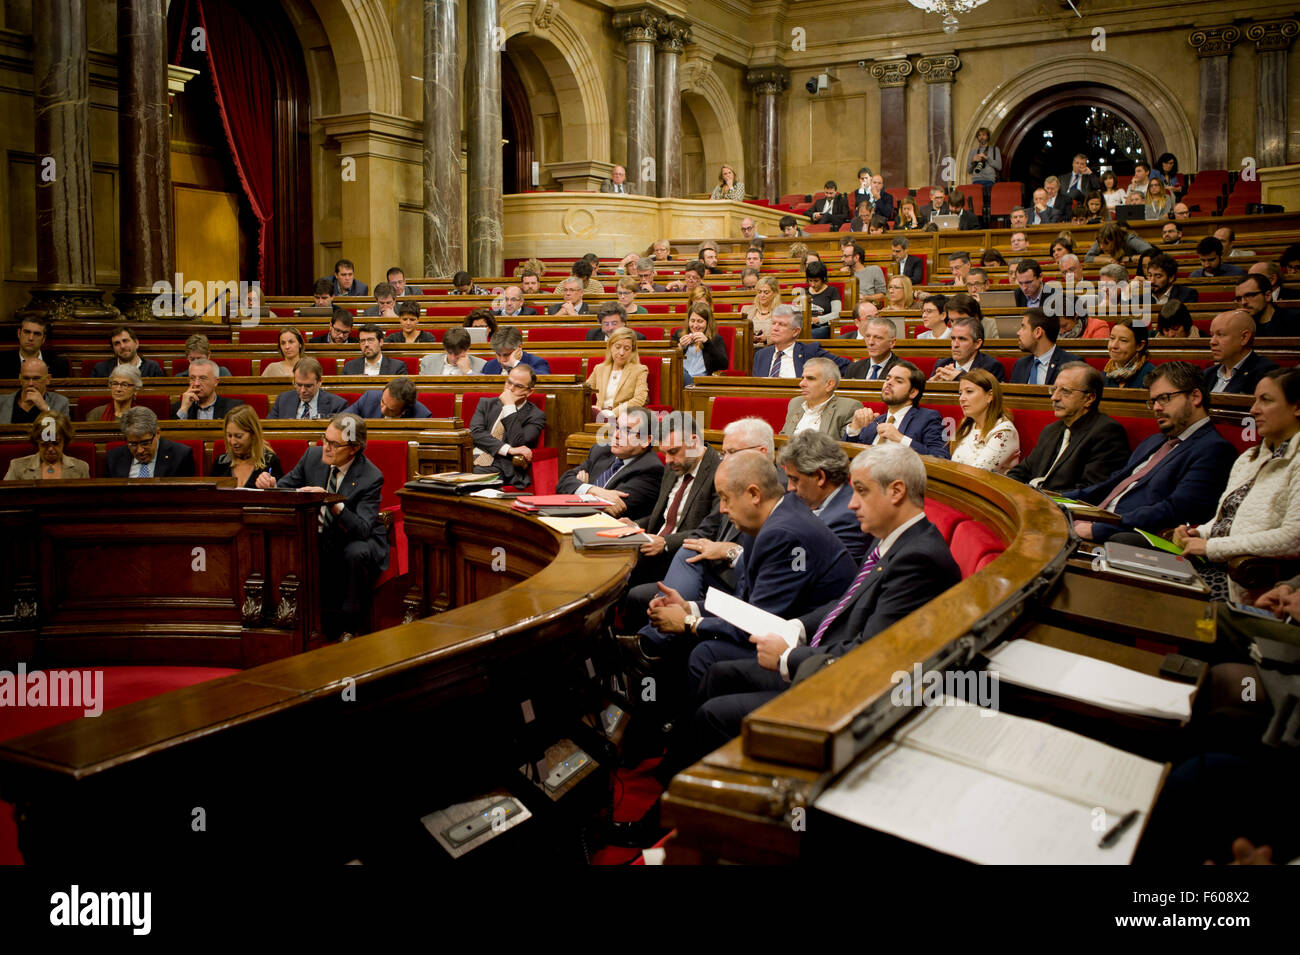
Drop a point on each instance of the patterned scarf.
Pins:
(1125, 372)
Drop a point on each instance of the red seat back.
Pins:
(943, 516)
(924, 362)
(389, 457)
(82, 450)
(1138, 429)
(560, 334)
(725, 409)
(565, 364)
(259, 336)
(441, 404)
(651, 332)
(974, 546)
(257, 402)
(1030, 425)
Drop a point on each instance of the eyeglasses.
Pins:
(752, 447)
(334, 445)
(1162, 400)
(120, 384)
(141, 444)
(1061, 389)
(1246, 295)
(515, 386)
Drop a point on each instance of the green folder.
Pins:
(1159, 543)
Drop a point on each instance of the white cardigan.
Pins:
(1267, 523)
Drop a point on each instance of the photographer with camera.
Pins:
(985, 165)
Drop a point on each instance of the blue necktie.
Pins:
(1035, 377)
(776, 365)
(146, 469)
(875, 373)
(609, 472)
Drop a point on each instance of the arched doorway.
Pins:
(1044, 140)
(516, 130)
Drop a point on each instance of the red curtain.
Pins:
(244, 87)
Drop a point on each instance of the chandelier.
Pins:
(949, 9)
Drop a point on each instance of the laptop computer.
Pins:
(311, 311)
(478, 335)
(1127, 213)
(1008, 325)
(1149, 562)
(998, 298)
(947, 222)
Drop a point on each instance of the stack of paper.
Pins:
(566, 525)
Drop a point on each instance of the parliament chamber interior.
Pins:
(449, 435)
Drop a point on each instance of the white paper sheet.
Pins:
(565, 525)
(747, 618)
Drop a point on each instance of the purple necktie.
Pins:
(868, 566)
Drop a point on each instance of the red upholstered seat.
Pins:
(943, 516)
(565, 364)
(723, 410)
(974, 546)
(259, 336)
(1138, 429)
(546, 461)
(441, 404)
(1008, 362)
(557, 334)
(1030, 424)
(257, 402)
(651, 332)
(158, 404)
(924, 362)
(1216, 295)
(83, 450)
(391, 458)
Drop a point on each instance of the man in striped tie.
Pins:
(908, 564)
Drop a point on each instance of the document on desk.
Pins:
(998, 791)
(1079, 677)
(566, 525)
(747, 618)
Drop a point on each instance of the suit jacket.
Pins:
(523, 310)
(219, 408)
(884, 207)
(598, 334)
(436, 364)
(1021, 370)
(323, 338)
(628, 187)
(1242, 383)
(287, 405)
(387, 366)
(359, 288)
(633, 388)
(968, 221)
(9, 402)
(1183, 489)
(174, 460)
(843, 523)
(861, 369)
(991, 365)
(917, 568)
(794, 563)
(1089, 182)
(11, 363)
(912, 267)
(639, 477)
(148, 368)
(927, 211)
(1061, 203)
(714, 351)
(540, 365)
(1183, 293)
(555, 309)
(362, 486)
(923, 425)
(802, 352)
(522, 429)
(1285, 324)
(1098, 447)
(29, 468)
(839, 209)
(701, 500)
(836, 415)
(1048, 215)
(368, 407)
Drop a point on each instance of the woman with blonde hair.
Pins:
(898, 294)
(1160, 203)
(701, 293)
(767, 296)
(247, 454)
(291, 345)
(986, 438)
(124, 382)
(728, 187)
(620, 380)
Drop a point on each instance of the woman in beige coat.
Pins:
(51, 432)
(620, 380)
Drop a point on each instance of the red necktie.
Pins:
(1141, 472)
(670, 520)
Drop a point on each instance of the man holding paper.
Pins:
(909, 566)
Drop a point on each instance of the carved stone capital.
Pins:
(1213, 41)
(674, 34)
(939, 68)
(543, 13)
(286, 611)
(251, 610)
(768, 80)
(61, 303)
(1272, 34)
(640, 25)
(891, 73)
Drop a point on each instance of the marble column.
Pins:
(144, 151)
(1272, 40)
(673, 37)
(1213, 45)
(640, 30)
(483, 90)
(940, 72)
(892, 76)
(768, 84)
(444, 251)
(65, 230)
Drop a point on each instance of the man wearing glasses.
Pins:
(1174, 477)
(1254, 294)
(625, 471)
(507, 428)
(146, 454)
(1082, 446)
(353, 540)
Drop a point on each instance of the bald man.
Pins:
(33, 396)
(617, 183)
(1238, 367)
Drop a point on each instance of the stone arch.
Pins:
(705, 96)
(996, 109)
(571, 70)
(358, 71)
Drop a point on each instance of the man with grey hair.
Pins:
(572, 288)
(33, 396)
(863, 312)
(819, 408)
(645, 276)
(785, 356)
(145, 454)
(880, 338)
(817, 472)
(907, 567)
(200, 402)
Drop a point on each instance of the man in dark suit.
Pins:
(817, 473)
(126, 351)
(508, 343)
(937, 206)
(967, 338)
(1162, 272)
(508, 427)
(880, 339)
(512, 303)
(200, 402)
(617, 183)
(1029, 284)
(612, 316)
(881, 203)
(904, 421)
(908, 265)
(572, 288)
(1082, 446)
(31, 340)
(1037, 335)
(1080, 182)
(1255, 295)
(1238, 367)
(784, 358)
(1174, 477)
(308, 399)
(1042, 212)
(832, 209)
(353, 540)
(145, 453)
(372, 360)
(908, 566)
(626, 471)
(397, 399)
(966, 220)
(340, 330)
(345, 282)
(1056, 199)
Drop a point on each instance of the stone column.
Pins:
(483, 225)
(768, 83)
(144, 151)
(640, 30)
(673, 37)
(939, 72)
(1213, 45)
(1272, 40)
(65, 230)
(892, 76)
(444, 251)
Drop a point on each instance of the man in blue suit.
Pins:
(397, 399)
(1175, 477)
(784, 358)
(967, 338)
(904, 420)
(908, 566)
(1037, 335)
(817, 473)
(308, 399)
(508, 343)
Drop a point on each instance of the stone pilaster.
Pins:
(769, 83)
(485, 168)
(673, 37)
(444, 251)
(940, 72)
(640, 31)
(892, 76)
(1213, 45)
(1272, 39)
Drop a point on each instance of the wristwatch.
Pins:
(733, 552)
(691, 621)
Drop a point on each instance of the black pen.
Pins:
(1117, 830)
